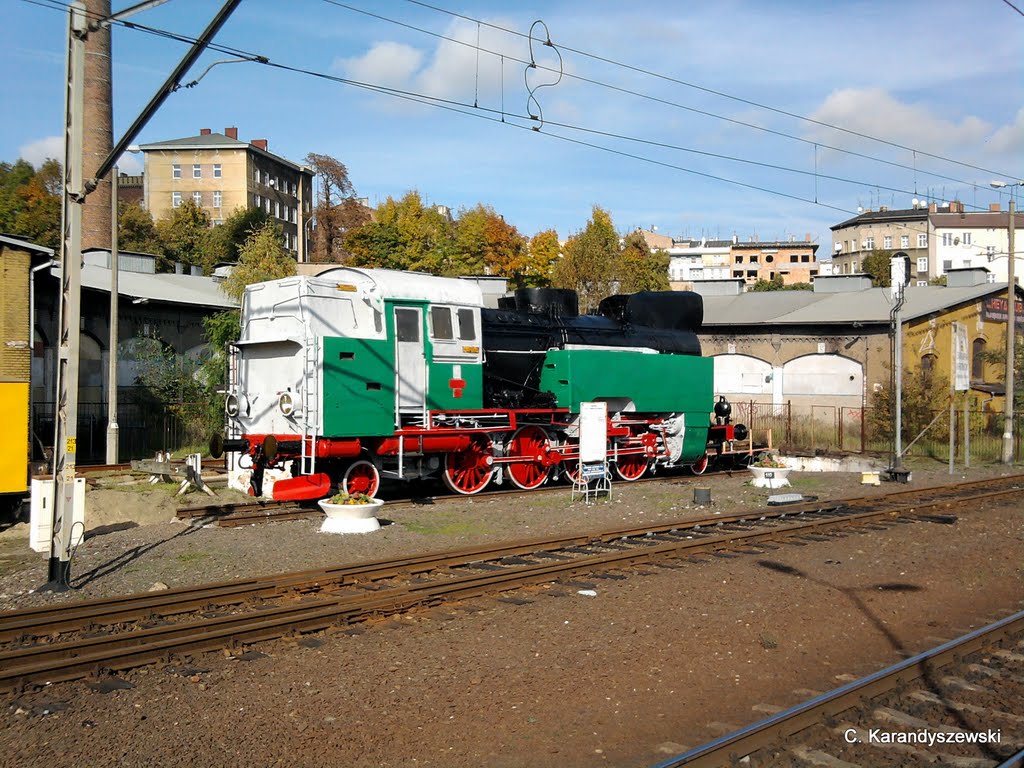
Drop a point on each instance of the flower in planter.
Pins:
(350, 498)
(768, 461)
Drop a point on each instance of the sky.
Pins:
(701, 119)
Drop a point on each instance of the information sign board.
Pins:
(961, 361)
(593, 432)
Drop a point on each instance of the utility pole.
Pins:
(1011, 305)
(98, 135)
(75, 190)
(112, 428)
(65, 446)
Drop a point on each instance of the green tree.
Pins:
(641, 269)
(589, 261)
(136, 230)
(924, 396)
(263, 257)
(12, 178)
(876, 264)
(226, 240)
(185, 232)
(406, 234)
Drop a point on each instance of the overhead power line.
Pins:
(504, 117)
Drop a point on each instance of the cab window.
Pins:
(467, 328)
(441, 322)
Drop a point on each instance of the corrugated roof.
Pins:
(172, 289)
(871, 306)
(17, 242)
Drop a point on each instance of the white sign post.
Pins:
(960, 381)
(593, 466)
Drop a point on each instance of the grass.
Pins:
(192, 557)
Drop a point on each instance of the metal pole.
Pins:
(1011, 304)
(967, 430)
(898, 371)
(65, 443)
(112, 429)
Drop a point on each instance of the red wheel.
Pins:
(468, 472)
(530, 444)
(700, 465)
(361, 477)
(631, 466)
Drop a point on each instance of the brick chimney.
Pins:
(259, 144)
(205, 131)
(932, 208)
(993, 207)
(955, 206)
(231, 133)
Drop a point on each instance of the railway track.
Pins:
(72, 640)
(921, 711)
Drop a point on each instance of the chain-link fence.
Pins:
(841, 429)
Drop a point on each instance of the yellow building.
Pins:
(17, 259)
(221, 174)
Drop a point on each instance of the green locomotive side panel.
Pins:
(358, 387)
(444, 390)
(655, 383)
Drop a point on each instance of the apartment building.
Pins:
(936, 238)
(221, 174)
(792, 261)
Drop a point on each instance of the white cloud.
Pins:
(391, 65)
(1009, 139)
(873, 111)
(44, 149)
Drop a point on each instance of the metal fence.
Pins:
(828, 429)
(143, 429)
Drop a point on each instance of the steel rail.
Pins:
(732, 747)
(84, 615)
(62, 661)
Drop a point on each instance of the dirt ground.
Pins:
(662, 658)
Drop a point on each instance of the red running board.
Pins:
(302, 488)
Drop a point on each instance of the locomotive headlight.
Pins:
(231, 406)
(286, 404)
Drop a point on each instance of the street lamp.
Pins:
(1011, 307)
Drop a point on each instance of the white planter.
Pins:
(770, 477)
(350, 518)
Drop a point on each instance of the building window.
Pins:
(922, 263)
(922, 240)
(869, 244)
(922, 283)
(947, 265)
(904, 241)
(978, 359)
(739, 259)
(197, 198)
(217, 195)
(256, 175)
(991, 277)
(966, 239)
(197, 171)
(277, 209)
(854, 267)
(217, 171)
(176, 171)
(175, 199)
(887, 242)
(257, 201)
(806, 258)
(793, 258)
(927, 366)
(947, 238)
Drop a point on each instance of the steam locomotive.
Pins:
(361, 375)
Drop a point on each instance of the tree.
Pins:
(226, 241)
(405, 235)
(589, 261)
(924, 396)
(543, 253)
(486, 244)
(136, 230)
(876, 264)
(39, 202)
(641, 269)
(331, 179)
(263, 257)
(12, 178)
(185, 233)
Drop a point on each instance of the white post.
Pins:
(1011, 304)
